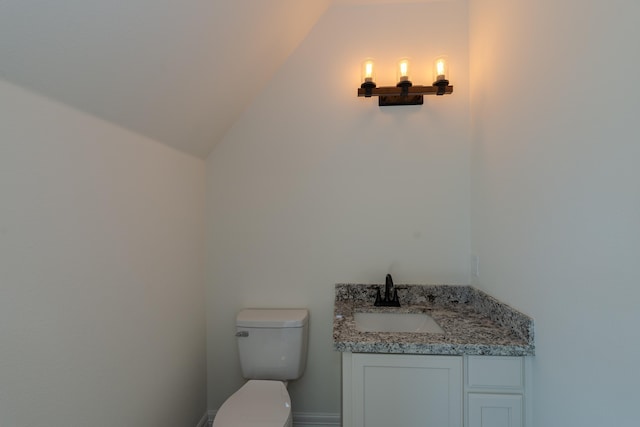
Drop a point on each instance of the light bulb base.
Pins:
(368, 88)
(441, 86)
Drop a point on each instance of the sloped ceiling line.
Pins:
(179, 72)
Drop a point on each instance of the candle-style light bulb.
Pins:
(368, 77)
(440, 69)
(368, 74)
(403, 70)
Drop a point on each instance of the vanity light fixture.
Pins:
(404, 92)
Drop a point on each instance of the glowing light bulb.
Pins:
(369, 70)
(403, 70)
(368, 75)
(440, 69)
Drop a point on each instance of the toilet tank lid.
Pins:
(272, 318)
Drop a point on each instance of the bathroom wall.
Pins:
(101, 272)
(555, 200)
(314, 185)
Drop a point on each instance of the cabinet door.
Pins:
(495, 410)
(406, 390)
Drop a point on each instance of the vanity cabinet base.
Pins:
(382, 390)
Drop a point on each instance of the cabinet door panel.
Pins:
(406, 390)
(495, 410)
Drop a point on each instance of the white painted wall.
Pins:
(101, 315)
(101, 272)
(555, 194)
(179, 72)
(315, 186)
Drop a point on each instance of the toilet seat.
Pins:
(258, 403)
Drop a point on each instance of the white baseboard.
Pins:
(204, 421)
(300, 419)
(316, 419)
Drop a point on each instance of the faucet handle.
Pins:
(378, 300)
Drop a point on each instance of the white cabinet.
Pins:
(382, 390)
(497, 391)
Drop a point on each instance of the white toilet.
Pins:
(273, 350)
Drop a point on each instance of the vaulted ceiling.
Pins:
(177, 71)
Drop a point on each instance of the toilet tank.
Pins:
(272, 343)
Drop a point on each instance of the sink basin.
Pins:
(396, 322)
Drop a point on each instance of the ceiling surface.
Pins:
(177, 71)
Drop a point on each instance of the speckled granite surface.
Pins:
(474, 323)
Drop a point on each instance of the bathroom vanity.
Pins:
(473, 371)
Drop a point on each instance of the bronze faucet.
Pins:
(388, 300)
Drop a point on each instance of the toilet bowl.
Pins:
(258, 403)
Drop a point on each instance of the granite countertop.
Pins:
(474, 323)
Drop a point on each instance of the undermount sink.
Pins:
(396, 322)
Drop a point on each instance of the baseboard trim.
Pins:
(204, 421)
(316, 419)
(300, 419)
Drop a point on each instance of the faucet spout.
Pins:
(388, 286)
